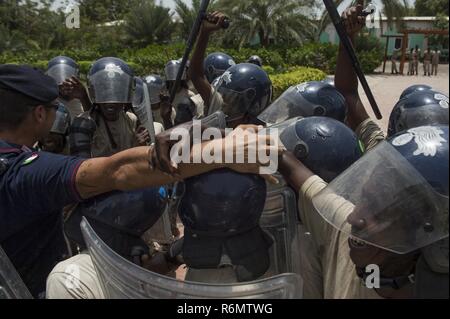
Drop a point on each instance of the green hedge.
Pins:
(281, 82)
(153, 58)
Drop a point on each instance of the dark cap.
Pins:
(28, 81)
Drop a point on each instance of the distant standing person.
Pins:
(435, 62)
(394, 62)
(411, 62)
(427, 63)
(416, 56)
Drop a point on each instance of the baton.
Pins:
(189, 45)
(338, 24)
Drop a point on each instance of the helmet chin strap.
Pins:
(395, 283)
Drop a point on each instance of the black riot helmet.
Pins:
(216, 64)
(326, 146)
(111, 80)
(62, 68)
(220, 211)
(415, 88)
(306, 99)
(120, 218)
(243, 89)
(422, 107)
(255, 60)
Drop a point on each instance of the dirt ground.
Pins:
(387, 88)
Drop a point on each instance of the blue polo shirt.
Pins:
(34, 188)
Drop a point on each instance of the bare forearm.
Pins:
(196, 71)
(294, 172)
(129, 170)
(346, 82)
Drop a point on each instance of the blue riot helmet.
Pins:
(329, 80)
(244, 89)
(155, 86)
(220, 211)
(326, 146)
(111, 80)
(255, 60)
(62, 68)
(415, 88)
(216, 64)
(120, 218)
(422, 107)
(307, 99)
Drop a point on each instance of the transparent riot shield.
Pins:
(11, 285)
(121, 279)
(280, 221)
(161, 231)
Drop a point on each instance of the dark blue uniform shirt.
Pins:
(34, 188)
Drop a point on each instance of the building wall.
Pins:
(330, 35)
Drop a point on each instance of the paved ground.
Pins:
(387, 88)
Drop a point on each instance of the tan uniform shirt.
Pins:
(184, 94)
(339, 278)
(435, 58)
(123, 132)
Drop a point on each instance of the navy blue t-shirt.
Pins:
(33, 191)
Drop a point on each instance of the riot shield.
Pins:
(161, 231)
(121, 279)
(280, 221)
(11, 285)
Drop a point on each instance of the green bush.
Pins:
(281, 82)
(153, 58)
(315, 55)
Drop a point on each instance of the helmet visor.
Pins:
(384, 201)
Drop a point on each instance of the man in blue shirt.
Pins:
(35, 186)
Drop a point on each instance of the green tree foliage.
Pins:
(431, 8)
(272, 22)
(187, 14)
(149, 23)
(99, 11)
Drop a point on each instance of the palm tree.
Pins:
(148, 23)
(393, 10)
(269, 20)
(187, 14)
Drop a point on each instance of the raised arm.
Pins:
(346, 80)
(196, 70)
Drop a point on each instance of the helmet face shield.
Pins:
(111, 86)
(236, 103)
(155, 86)
(290, 104)
(62, 121)
(384, 201)
(171, 71)
(62, 72)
